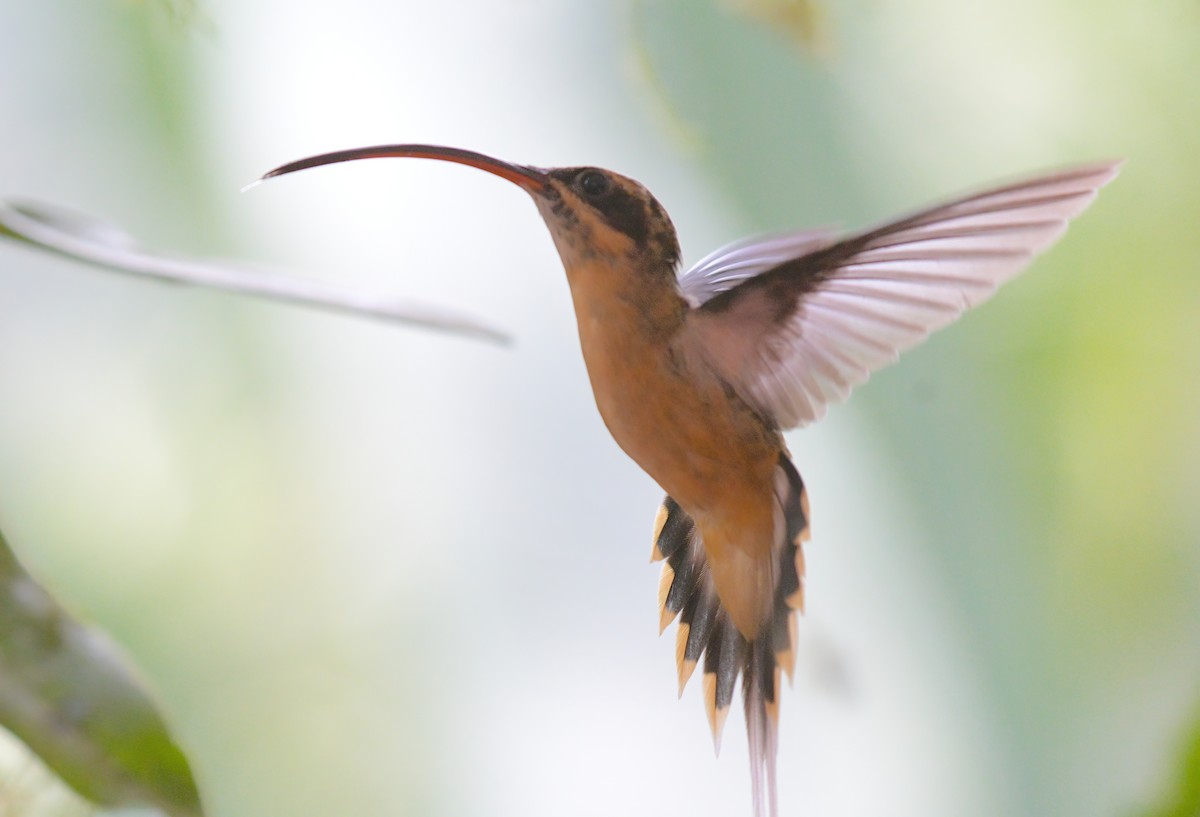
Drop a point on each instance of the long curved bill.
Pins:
(528, 178)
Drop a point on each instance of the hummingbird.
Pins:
(698, 374)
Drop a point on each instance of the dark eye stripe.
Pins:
(626, 212)
(636, 214)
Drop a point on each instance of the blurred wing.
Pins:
(801, 334)
(82, 238)
(730, 265)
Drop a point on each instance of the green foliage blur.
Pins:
(68, 695)
(1181, 797)
(350, 561)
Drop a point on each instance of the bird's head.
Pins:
(593, 214)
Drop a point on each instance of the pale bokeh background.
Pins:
(380, 571)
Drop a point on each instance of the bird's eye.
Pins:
(593, 183)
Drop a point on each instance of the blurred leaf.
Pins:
(1184, 800)
(800, 20)
(94, 242)
(67, 693)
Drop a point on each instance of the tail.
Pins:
(706, 630)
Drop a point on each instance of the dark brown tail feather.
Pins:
(706, 632)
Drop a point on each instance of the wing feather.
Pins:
(728, 266)
(794, 322)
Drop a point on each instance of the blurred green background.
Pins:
(370, 570)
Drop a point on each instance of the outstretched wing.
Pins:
(804, 330)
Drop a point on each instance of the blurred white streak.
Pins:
(91, 241)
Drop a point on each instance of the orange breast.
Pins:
(672, 414)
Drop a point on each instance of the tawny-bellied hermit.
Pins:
(697, 374)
